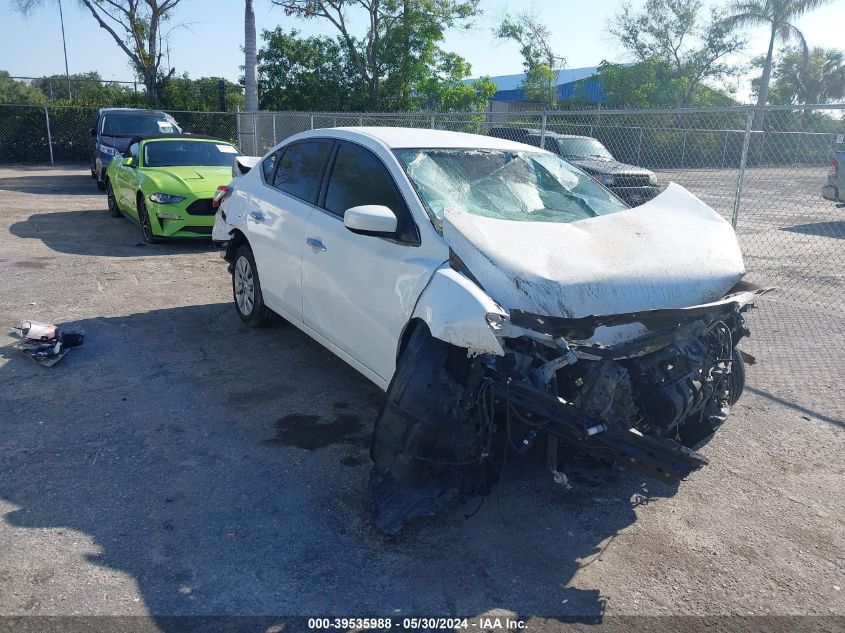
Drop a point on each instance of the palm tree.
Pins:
(777, 16)
(250, 79)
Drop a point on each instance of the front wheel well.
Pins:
(407, 333)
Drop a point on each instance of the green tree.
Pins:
(649, 84)
(447, 91)
(399, 44)
(539, 59)
(312, 73)
(201, 95)
(87, 89)
(777, 16)
(818, 78)
(136, 26)
(12, 91)
(689, 50)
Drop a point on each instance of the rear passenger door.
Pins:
(277, 216)
(359, 290)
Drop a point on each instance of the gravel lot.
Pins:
(179, 463)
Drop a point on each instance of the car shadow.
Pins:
(822, 229)
(45, 181)
(95, 232)
(224, 470)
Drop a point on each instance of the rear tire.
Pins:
(246, 291)
(114, 211)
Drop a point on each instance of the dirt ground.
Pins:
(181, 464)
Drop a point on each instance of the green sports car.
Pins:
(166, 184)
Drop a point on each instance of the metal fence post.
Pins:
(360, 120)
(724, 148)
(639, 145)
(741, 176)
(432, 121)
(255, 134)
(312, 121)
(274, 130)
(543, 130)
(683, 149)
(238, 127)
(49, 136)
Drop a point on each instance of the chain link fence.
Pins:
(766, 181)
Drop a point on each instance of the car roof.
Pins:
(405, 137)
(537, 132)
(183, 137)
(138, 111)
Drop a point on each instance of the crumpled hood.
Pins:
(672, 252)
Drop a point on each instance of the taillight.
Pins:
(223, 192)
(834, 167)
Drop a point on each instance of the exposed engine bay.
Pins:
(647, 403)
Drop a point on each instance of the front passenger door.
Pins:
(358, 291)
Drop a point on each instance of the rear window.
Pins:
(129, 125)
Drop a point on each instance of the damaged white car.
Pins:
(499, 295)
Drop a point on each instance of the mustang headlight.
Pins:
(607, 180)
(108, 150)
(165, 198)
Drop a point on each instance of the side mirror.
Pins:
(92, 132)
(128, 161)
(371, 219)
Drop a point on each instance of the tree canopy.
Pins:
(685, 49)
(400, 45)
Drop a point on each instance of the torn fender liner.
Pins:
(425, 446)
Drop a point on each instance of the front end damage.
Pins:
(647, 401)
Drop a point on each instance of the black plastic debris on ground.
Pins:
(45, 343)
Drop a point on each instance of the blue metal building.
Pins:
(509, 85)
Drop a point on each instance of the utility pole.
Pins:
(64, 46)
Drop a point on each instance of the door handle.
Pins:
(257, 216)
(316, 244)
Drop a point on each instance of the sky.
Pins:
(211, 43)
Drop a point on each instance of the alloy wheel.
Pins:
(244, 286)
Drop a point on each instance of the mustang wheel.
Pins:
(246, 289)
(112, 202)
(144, 221)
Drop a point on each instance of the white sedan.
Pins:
(498, 294)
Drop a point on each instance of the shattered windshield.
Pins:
(505, 184)
(583, 148)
